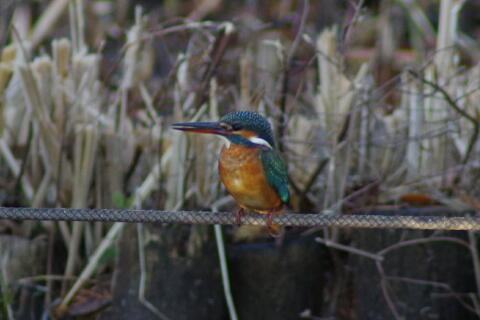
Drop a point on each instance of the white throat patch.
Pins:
(260, 141)
(227, 142)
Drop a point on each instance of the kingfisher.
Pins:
(250, 167)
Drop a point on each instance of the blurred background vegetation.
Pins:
(375, 104)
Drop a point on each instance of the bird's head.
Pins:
(242, 128)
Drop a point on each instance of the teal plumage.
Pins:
(276, 172)
(250, 167)
(275, 168)
(249, 121)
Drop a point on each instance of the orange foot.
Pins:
(269, 218)
(238, 216)
(274, 230)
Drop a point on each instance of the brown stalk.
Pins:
(363, 253)
(350, 20)
(218, 51)
(421, 241)
(157, 33)
(281, 121)
(475, 258)
(453, 104)
(442, 285)
(313, 177)
(17, 189)
(386, 292)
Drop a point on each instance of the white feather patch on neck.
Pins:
(260, 141)
(227, 142)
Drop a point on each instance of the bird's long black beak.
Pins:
(200, 127)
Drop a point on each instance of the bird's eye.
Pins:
(236, 127)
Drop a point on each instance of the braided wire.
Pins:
(377, 220)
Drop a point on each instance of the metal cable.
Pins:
(378, 220)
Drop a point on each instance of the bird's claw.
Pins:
(269, 219)
(274, 230)
(238, 216)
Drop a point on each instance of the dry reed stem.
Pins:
(5, 73)
(84, 168)
(92, 264)
(142, 192)
(334, 106)
(77, 26)
(446, 37)
(143, 276)
(419, 18)
(62, 94)
(48, 20)
(21, 22)
(475, 258)
(5, 291)
(84, 154)
(42, 190)
(224, 271)
(49, 142)
(15, 168)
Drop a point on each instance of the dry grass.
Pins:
(75, 135)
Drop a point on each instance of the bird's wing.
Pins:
(276, 172)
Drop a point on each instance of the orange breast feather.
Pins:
(241, 172)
